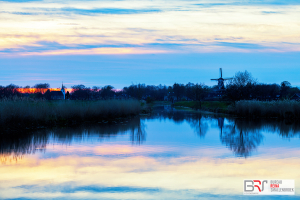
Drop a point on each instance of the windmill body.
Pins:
(221, 81)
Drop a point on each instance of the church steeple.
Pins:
(63, 90)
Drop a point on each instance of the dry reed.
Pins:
(268, 109)
(20, 111)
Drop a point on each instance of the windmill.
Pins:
(221, 80)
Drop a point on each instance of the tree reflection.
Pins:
(14, 146)
(199, 125)
(239, 135)
(243, 136)
(138, 134)
(195, 119)
(240, 141)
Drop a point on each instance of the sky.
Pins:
(124, 42)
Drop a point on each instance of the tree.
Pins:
(178, 90)
(107, 92)
(284, 89)
(137, 91)
(242, 79)
(96, 88)
(9, 91)
(78, 87)
(42, 85)
(41, 88)
(240, 87)
(189, 90)
(198, 91)
(80, 92)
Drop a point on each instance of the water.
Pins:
(169, 155)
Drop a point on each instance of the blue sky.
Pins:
(122, 42)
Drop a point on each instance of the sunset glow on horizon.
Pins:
(97, 43)
(41, 90)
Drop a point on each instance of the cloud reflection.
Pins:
(78, 162)
(103, 177)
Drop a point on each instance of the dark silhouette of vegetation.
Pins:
(19, 113)
(41, 85)
(241, 88)
(81, 92)
(9, 91)
(107, 92)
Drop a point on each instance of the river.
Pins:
(170, 154)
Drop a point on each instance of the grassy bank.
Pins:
(287, 109)
(212, 106)
(268, 109)
(27, 114)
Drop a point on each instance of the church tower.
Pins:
(63, 90)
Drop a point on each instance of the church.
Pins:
(59, 95)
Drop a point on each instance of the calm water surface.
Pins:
(169, 155)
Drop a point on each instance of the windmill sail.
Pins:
(221, 80)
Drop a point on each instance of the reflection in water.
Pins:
(195, 119)
(169, 162)
(241, 136)
(241, 142)
(13, 147)
(138, 134)
(200, 126)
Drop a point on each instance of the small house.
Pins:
(296, 97)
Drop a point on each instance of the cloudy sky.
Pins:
(120, 42)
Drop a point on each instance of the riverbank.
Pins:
(286, 109)
(210, 106)
(16, 115)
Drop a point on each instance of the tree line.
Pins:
(242, 87)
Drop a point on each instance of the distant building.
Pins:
(296, 97)
(63, 90)
(170, 97)
(57, 95)
(215, 95)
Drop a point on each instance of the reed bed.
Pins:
(26, 111)
(268, 109)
